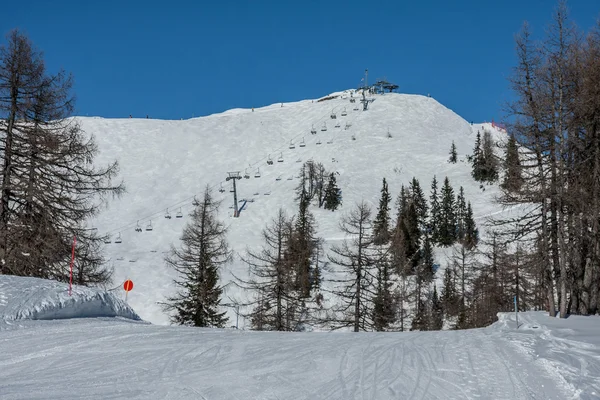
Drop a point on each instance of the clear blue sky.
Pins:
(174, 59)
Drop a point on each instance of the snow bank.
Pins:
(568, 349)
(33, 298)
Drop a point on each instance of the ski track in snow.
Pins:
(78, 359)
(90, 357)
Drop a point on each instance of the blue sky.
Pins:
(180, 59)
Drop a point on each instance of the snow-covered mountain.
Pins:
(166, 163)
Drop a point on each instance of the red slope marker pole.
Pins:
(71, 268)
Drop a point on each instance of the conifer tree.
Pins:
(461, 214)
(490, 163)
(418, 199)
(436, 321)
(333, 197)
(434, 219)
(513, 179)
(471, 237)
(383, 302)
(453, 156)
(276, 304)
(477, 160)
(449, 298)
(203, 252)
(447, 215)
(302, 247)
(408, 225)
(381, 225)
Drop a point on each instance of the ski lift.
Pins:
(195, 203)
(353, 137)
(333, 116)
(120, 258)
(269, 160)
(257, 173)
(337, 125)
(292, 146)
(290, 178)
(221, 190)
(179, 214)
(278, 178)
(246, 174)
(319, 141)
(330, 141)
(267, 193)
(280, 159)
(313, 131)
(167, 215)
(344, 113)
(118, 239)
(149, 226)
(138, 228)
(348, 125)
(132, 261)
(302, 144)
(355, 108)
(299, 160)
(256, 194)
(324, 127)
(107, 240)
(352, 100)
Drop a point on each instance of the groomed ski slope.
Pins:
(165, 163)
(120, 358)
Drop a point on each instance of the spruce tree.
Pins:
(203, 252)
(408, 225)
(434, 219)
(449, 297)
(332, 194)
(302, 247)
(436, 316)
(384, 313)
(381, 225)
(477, 160)
(513, 179)
(471, 237)
(418, 199)
(461, 213)
(453, 156)
(490, 163)
(447, 215)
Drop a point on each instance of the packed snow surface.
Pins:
(166, 163)
(111, 358)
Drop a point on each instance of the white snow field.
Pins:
(118, 358)
(165, 163)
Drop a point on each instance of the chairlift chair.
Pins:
(337, 125)
(324, 127)
(280, 159)
(246, 174)
(333, 116)
(149, 226)
(118, 238)
(344, 113)
(269, 160)
(330, 141)
(257, 173)
(313, 131)
(278, 178)
(267, 193)
(167, 214)
(138, 228)
(256, 194)
(221, 190)
(195, 203)
(290, 178)
(348, 125)
(299, 160)
(292, 146)
(302, 144)
(107, 240)
(179, 214)
(352, 100)
(319, 141)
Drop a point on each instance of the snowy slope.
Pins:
(121, 359)
(41, 299)
(166, 163)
